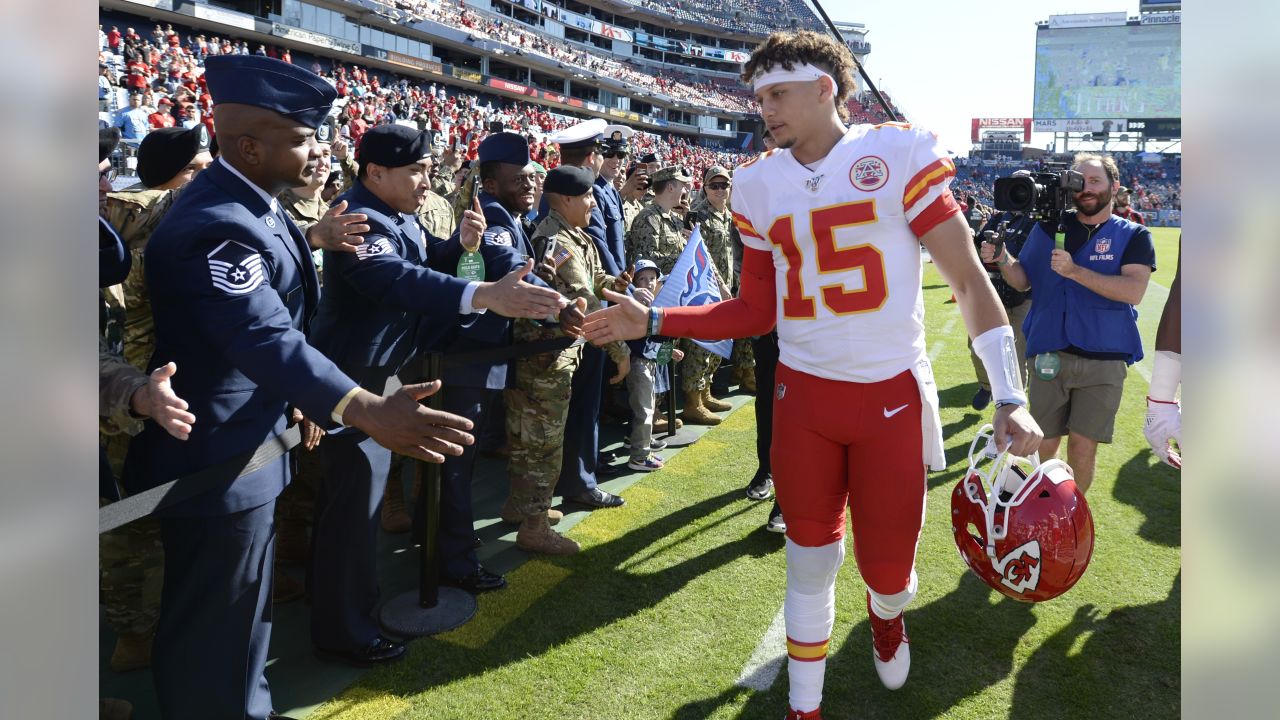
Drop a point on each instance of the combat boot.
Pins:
(512, 516)
(536, 536)
(132, 652)
(695, 413)
(747, 380)
(713, 404)
(395, 518)
(660, 424)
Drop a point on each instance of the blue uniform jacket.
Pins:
(613, 222)
(232, 289)
(505, 248)
(383, 301)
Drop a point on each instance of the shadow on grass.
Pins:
(598, 594)
(1156, 492)
(1128, 666)
(961, 644)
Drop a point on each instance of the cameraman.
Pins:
(1082, 329)
(1009, 231)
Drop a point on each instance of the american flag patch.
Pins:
(560, 256)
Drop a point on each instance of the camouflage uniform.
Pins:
(135, 215)
(630, 209)
(436, 215)
(538, 404)
(718, 233)
(350, 170)
(306, 212)
(657, 235)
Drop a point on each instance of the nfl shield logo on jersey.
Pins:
(1102, 245)
(869, 173)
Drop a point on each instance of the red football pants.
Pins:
(838, 444)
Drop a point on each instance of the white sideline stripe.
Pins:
(946, 331)
(768, 658)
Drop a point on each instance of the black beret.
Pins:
(393, 146)
(164, 152)
(650, 158)
(569, 180)
(108, 139)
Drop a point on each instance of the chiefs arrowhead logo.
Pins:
(1020, 569)
(869, 173)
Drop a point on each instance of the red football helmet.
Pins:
(1028, 534)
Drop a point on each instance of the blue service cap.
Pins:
(504, 147)
(393, 146)
(264, 82)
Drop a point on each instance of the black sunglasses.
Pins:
(615, 153)
(718, 186)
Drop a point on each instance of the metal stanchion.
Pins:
(430, 609)
(674, 437)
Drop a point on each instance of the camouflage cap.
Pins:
(716, 171)
(673, 172)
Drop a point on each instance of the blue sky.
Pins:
(947, 62)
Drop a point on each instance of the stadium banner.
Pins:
(416, 63)
(1158, 5)
(591, 25)
(693, 281)
(1087, 20)
(616, 33)
(464, 74)
(157, 4)
(1013, 123)
(534, 5)
(314, 38)
(1171, 18)
(509, 86)
(1079, 125)
(722, 54)
(226, 17)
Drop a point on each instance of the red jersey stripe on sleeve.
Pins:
(744, 226)
(931, 217)
(933, 173)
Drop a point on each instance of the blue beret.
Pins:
(393, 146)
(268, 83)
(569, 180)
(504, 147)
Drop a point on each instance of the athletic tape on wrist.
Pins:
(799, 73)
(1166, 376)
(998, 351)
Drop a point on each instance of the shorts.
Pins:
(1084, 397)
(843, 444)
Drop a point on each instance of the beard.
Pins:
(1092, 203)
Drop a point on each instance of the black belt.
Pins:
(171, 493)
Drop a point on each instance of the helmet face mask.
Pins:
(1023, 527)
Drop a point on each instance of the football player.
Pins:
(1164, 414)
(832, 221)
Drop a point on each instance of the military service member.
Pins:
(657, 233)
(538, 405)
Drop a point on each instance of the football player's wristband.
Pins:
(1166, 375)
(655, 321)
(341, 407)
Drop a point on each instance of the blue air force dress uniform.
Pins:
(471, 390)
(379, 305)
(617, 138)
(233, 288)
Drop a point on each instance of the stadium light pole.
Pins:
(861, 70)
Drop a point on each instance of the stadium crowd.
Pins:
(752, 16)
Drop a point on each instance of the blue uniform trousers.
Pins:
(215, 615)
(582, 427)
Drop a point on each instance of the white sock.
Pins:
(887, 607)
(810, 611)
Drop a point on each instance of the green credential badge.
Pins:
(1047, 365)
(1060, 240)
(471, 266)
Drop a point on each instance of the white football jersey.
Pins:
(844, 239)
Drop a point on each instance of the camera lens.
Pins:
(1022, 194)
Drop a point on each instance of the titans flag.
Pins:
(693, 281)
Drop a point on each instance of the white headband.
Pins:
(779, 74)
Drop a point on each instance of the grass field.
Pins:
(673, 593)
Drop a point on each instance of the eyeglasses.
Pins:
(109, 174)
(718, 186)
(615, 154)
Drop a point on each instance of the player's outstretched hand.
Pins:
(1017, 431)
(625, 319)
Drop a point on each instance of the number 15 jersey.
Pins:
(844, 238)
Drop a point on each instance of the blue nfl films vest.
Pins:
(1066, 313)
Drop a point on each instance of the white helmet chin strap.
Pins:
(1002, 487)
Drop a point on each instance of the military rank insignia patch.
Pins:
(235, 269)
(378, 246)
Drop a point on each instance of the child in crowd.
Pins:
(649, 360)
